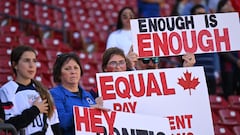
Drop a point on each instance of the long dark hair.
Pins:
(42, 90)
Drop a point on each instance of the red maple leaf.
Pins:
(188, 83)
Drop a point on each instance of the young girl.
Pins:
(27, 104)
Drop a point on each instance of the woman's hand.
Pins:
(133, 57)
(41, 105)
(99, 104)
(189, 60)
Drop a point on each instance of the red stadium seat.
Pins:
(229, 117)
(5, 51)
(236, 130)
(217, 102)
(7, 129)
(222, 130)
(45, 81)
(49, 2)
(60, 3)
(76, 3)
(90, 68)
(8, 7)
(52, 54)
(55, 44)
(88, 81)
(234, 102)
(27, 11)
(8, 41)
(216, 118)
(45, 16)
(5, 62)
(42, 68)
(10, 30)
(5, 77)
(31, 41)
(76, 40)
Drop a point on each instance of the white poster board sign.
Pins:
(177, 35)
(179, 94)
(96, 122)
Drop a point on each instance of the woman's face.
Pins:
(70, 73)
(116, 63)
(26, 67)
(127, 14)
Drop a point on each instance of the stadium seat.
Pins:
(90, 68)
(216, 118)
(5, 77)
(217, 102)
(45, 81)
(76, 3)
(31, 41)
(45, 16)
(42, 67)
(8, 7)
(88, 81)
(7, 129)
(5, 62)
(49, 2)
(10, 30)
(234, 102)
(86, 57)
(236, 130)
(97, 56)
(60, 3)
(76, 40)
(52, 54)
(55, 44)
(27, 11)
(229, 117)
(222, 130)
(5, 51)
(8, 41)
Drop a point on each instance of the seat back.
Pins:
(7, 129)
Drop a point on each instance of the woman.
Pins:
(122, 38)
(27, 104)
(114, 60)
(67, 72)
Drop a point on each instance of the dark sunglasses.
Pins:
(154, 60)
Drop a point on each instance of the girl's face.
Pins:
(126, 15)
(26, 67)
(70, 73)
(116, 63)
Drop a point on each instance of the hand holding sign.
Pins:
(189, 60)
(99, 104)
(133, 57)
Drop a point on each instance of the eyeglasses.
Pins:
(154, 60)
(115, 63)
